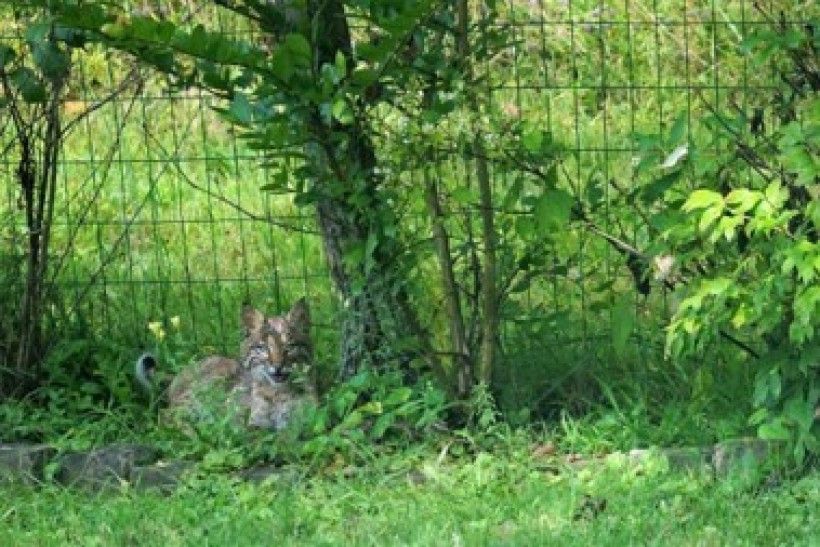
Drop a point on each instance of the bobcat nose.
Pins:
(279, 373)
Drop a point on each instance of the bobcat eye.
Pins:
(257, 354)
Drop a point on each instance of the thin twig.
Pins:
(221, 198)
(85, 211)
(133, 77)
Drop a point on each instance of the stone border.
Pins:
(22, 463)
(106, 467)
(136, 465)
(721, 459)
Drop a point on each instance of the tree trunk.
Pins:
(361, 333)
(458, 337)
(376, 314)
(38, 137)
(489, 300)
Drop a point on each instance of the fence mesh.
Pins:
(163, 207)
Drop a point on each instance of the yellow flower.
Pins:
(156, 329)
(175, 321)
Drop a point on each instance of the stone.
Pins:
(105, 467)
(740, 455)
(271, 473)
(690, 458)
(163, 476)
(23, 463)
(639, 455)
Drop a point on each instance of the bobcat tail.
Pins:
(145, 369)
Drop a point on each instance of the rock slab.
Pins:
(23, 463)
(106, 467)
(163, 476)
(741, 455)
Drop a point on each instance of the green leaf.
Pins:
(85, 15)
(343, 401)
(701, 199)
(7, 55)
(709, 216)
(799, 160)
(52, 62)
(776, 195)
(799, 451)
(656, 189)
(552, 210)
(648, 160)
(761, 389)
(372, 243)
(759, 416)
(727, 226)
(775, 384)
(382, 424)
(398, 396)
(521, 285)
(742, 200)
(364, 77)
(532, 138)
(678, 128)
(37, 33)
(152, 31)
(774, 430)
(341, 63)
(299, 46)
(241, 110)
(320, 421)
(29, 84)
(361, 380)
(342, 111)
(595, 192)
(799, 412)
(463, 196)
(525, 227)
(116, 31)
(372, 407)
(352, 420)
(792, 38)
(70, 36)
(623, 321)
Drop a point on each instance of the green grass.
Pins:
(491, 499)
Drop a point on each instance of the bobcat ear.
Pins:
(299, 315)
(252, 318)
(277, 324)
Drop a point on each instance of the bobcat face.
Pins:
(272, 349)
(273, 346)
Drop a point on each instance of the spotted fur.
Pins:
(260, 384)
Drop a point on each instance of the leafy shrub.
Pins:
(371, 408)
(751, 230)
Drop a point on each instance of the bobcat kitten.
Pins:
(262, 383)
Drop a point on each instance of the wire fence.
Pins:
(162, 207)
